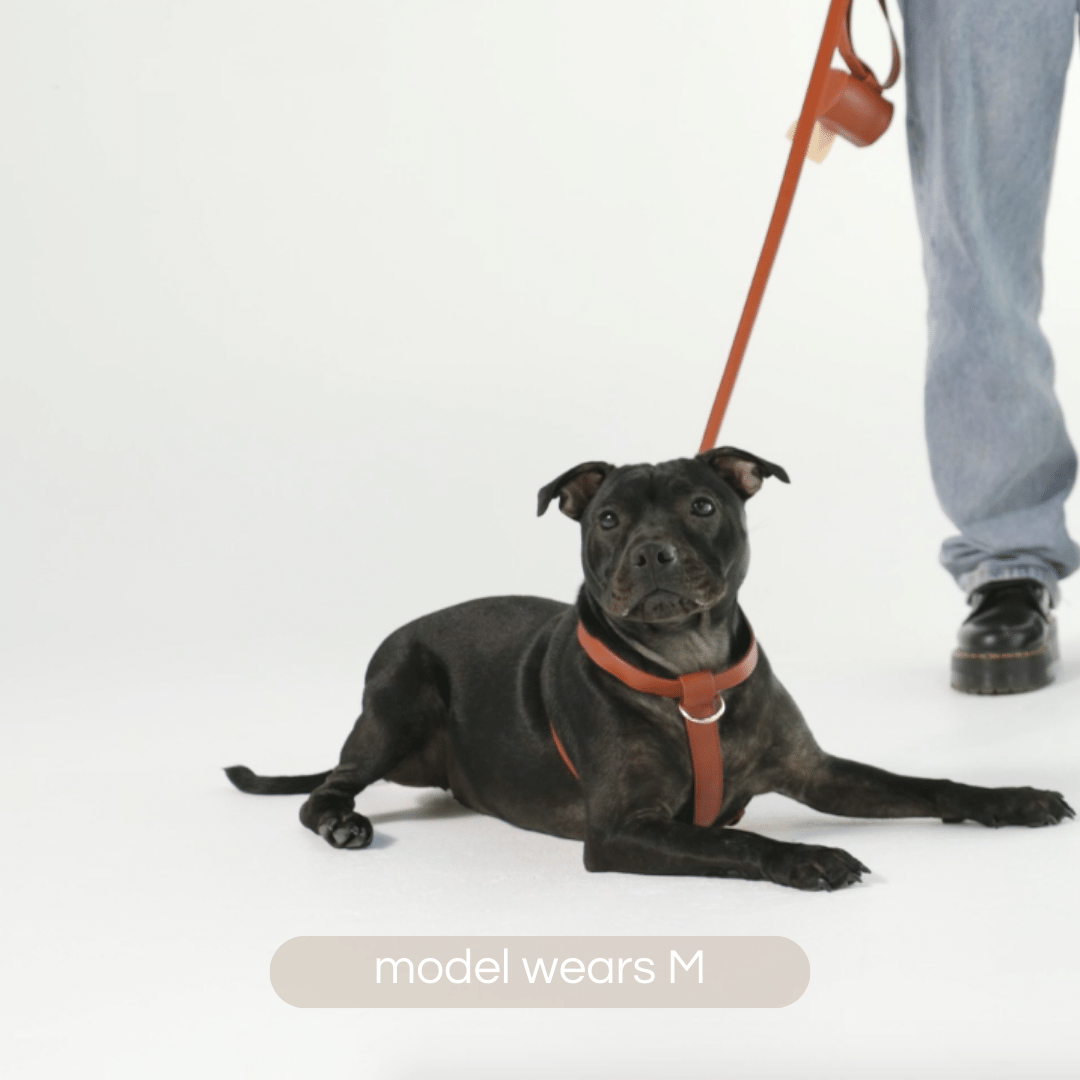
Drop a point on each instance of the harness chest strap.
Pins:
(700, 703)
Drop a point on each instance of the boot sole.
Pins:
(1006, 673)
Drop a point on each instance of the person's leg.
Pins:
(985, 80)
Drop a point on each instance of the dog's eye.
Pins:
(702, 507)
(608, 520)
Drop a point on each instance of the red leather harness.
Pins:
(701, 706)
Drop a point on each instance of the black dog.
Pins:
(472, 699)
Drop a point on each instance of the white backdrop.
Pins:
(301, 305)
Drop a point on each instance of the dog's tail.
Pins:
(247, 781)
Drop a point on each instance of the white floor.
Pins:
(147, 897)
(303, 304)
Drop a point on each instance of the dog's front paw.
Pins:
(345, 830)
(1015, 806)
(807, 866)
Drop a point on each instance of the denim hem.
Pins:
(987, 572)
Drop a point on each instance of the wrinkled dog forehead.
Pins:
(665, 482)
(740, 472)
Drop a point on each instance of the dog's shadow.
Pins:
(436, 806)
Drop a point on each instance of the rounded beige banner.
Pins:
(540, 972)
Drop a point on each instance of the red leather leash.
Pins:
(862, 125)
(701, 706)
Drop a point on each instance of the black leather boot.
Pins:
(1008, 644)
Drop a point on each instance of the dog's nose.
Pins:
(653, 554)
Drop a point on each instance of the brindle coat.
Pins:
(464, 699)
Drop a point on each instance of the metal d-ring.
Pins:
(704, 719)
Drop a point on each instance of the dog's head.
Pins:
(662, 542)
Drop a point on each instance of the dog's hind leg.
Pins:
(400, 736)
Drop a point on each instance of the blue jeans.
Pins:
(985, 80)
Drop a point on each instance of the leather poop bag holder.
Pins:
(851, 103)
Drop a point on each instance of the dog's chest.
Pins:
(739, 751)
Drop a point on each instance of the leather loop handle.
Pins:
(859, 68)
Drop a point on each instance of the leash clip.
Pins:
(704, 719)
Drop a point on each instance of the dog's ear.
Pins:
(575, 488)
(744, 472)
